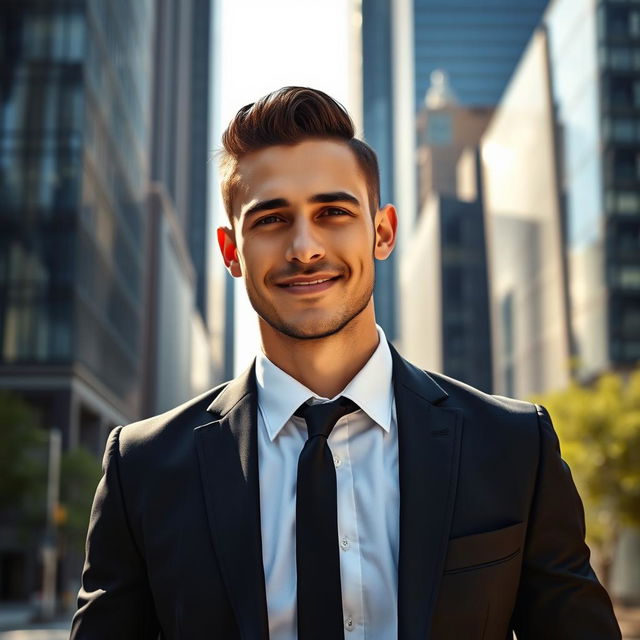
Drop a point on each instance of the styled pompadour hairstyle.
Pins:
(286, 117)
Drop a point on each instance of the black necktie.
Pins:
(317, 553)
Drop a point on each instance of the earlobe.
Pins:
(229, 251)
(386, 225)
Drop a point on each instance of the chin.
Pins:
(311, 330)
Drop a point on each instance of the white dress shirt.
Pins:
(364, 445)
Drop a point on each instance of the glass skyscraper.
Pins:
(378, 130)
(74, 95)
(73, 171)
(595, 64)
(476, 42)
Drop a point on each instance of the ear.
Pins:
(229, 251)
(386, 225)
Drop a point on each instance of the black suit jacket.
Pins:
(491, 526)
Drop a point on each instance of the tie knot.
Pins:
(321, 418)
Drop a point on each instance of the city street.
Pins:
(52, 631)
(16, 624)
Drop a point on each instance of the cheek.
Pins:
(258, 257)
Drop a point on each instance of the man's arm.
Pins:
(559, 597)
(114, 600)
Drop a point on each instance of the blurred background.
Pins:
(508, 135)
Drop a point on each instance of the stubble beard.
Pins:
(332, 325)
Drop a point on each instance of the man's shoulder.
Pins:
(464, 393)
(480, 406)
(170, 424)
(494, 419)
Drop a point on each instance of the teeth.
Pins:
(306, 284)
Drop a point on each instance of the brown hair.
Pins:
(286, 117)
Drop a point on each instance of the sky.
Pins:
(261, 46)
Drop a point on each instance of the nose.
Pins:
(305, 245)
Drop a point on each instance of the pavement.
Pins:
(17, 623)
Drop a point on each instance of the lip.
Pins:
(305, 285)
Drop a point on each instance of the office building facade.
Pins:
(180, 328)
(589, 70)
(74, 174)
(595, 65)
(531, 345)
(73, 177)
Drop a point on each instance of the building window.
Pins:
(620, 58)
(636, 93)
(617, 22)
(620, 93)
(624, 202)
(621, 129)
(627, 277)
(634, 23)
(626, 165)
(630, 321)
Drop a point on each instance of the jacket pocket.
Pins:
(485, 549)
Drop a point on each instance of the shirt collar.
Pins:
(279, 395)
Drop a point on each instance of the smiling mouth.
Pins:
(310, 286)
(310, 283)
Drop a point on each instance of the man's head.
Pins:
(301, 194)
(286, 117)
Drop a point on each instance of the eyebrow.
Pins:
(277, 203)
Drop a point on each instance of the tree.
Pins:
(599, 431)
(23, 461)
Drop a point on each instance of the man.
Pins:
(333, 490)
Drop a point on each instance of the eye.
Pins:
(268, 220)
(335, 211)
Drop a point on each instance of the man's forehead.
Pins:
(308, 167)
(332, 155)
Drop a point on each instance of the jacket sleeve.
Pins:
(114, 600)
(559, 597)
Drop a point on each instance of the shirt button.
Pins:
(337, 461)
(345, 544)
(348, 624)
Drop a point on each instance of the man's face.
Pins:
(304, 238)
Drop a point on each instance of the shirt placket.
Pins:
(348, 533)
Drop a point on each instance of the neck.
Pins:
(324, 365)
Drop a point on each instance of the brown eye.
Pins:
(268, 220)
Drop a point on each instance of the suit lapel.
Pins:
(429, 439)
(228, 457)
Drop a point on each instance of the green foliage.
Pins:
(80, 472)
(23, 475)
(599, 431)
(23, 461)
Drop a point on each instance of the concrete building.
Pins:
(443, 276)
(446, 130)
(183, 327)
(477, 43)
(531, 346)
(444, 292)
